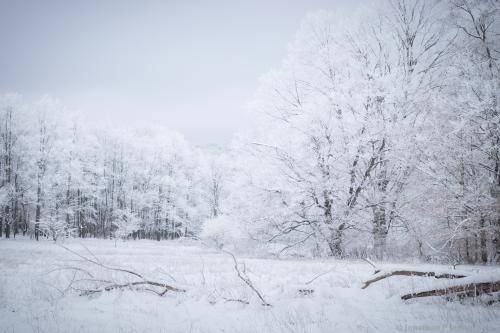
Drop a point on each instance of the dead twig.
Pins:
(236, 300)
(318, 276)
(98, 263)
(377, 270)
(246, 279)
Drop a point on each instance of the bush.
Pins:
(221, 231)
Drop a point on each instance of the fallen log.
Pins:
(412, 273)
(110, 287)
(464, 290)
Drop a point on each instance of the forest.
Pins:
(376, 136)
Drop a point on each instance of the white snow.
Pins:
(33, 298)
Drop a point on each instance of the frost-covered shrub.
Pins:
(125, 223)
(55, 229)
(222, 231)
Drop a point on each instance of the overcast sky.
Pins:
(192, 66)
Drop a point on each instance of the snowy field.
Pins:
(37, 283)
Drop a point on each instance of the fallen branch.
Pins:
(464, 290)
(113, 286)
(246, 279)
(236, 300)
(106, 285)
(412, 273)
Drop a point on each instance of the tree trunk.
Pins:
(335, 241)
(380, 231)
(482, 242)
(380, 223)
(38, 211)
(15, 212)
(468, 257)
(496, 240)
(8, 221)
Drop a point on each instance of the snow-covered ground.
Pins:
(34, 293)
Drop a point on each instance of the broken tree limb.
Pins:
(106, 285)
(465, 290)
(113, 286)
(412, 273)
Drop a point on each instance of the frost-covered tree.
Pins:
(470, 154)
(359, 133)
(61, 177)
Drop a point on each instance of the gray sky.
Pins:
(189, 65)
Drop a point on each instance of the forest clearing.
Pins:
(38, 292)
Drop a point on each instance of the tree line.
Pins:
(60, 177)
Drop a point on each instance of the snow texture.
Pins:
(306, 295)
